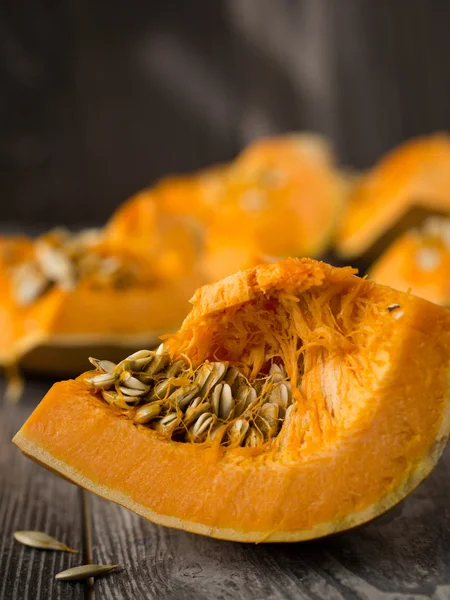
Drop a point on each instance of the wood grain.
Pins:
(404, 555)
(33, 498)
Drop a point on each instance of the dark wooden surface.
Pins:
(33, 498)
(404, 555)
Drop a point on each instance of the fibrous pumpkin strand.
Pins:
(213, 401)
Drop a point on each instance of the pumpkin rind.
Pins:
(372, 413)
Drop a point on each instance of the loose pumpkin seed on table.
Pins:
(41, 540)
(290, 405)
(83, 572)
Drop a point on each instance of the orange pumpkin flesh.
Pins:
(411, 181)
(419, 261)
(369, 368)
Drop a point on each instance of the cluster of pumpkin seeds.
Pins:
(63, 258)
(214, 400)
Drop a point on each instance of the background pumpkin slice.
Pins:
(65, 296)
(369, 373)
(409, 183)
(419, 261)
(58, 332)
(282, 196)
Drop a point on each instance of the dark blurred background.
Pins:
(99, 99)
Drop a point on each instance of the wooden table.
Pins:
(404, 555)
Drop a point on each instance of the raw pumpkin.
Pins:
(62, 295)
(296, 400)
(281, 196)
(408, 184)
(419, 261)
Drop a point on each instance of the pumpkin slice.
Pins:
(296, 400)
(407, 185)
(63, 294)
(419, 261)
(281, 197)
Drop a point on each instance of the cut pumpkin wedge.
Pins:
(296, 400)
(408, 184)
(53, 330)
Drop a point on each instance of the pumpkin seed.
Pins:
(159, 362)
(231, 375)
(107, 366)
(55, 264)
(140, 359)
(145, 378)
(254, 438)
(28, 284)
(180, 397)
(102, 381)
(196, 409)
(267, 419)
(200, 428)
(218, 432)
(280, 396)
(130, 392)
(278, 373)
(195, 402)
(222, 401)
(218, 370)
(162, 389)
(245, 398)
(175, 368)
(161, 349)
(203, 373)
(241, 400)
(130, 382)
(147, 412)
(169, 423)
(237, 432)
(41, 540)
(85, 572)
(252, 397)
(114, 398)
